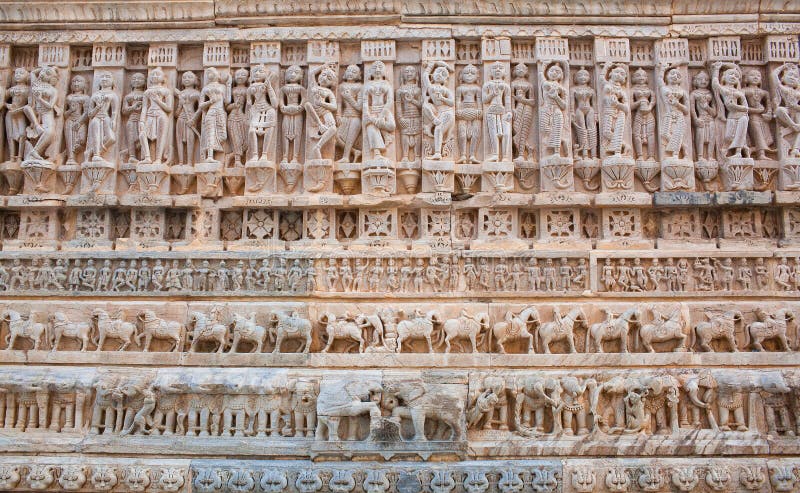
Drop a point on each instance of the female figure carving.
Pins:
(75, 118)
(17, 114)
(704, 111)
(102, 118)
(293, 96)
(409, 112)
(377, 111)
(186, 114)
(584, 118)
(43, 109)
(760, 108)
(726, 83)
(237, 118)
(616, 109)
(321, 105)
(497, 99)
(673, 121)
(523, 100)
(157, 106)
(554, 104)
(132, 110)
(213, 130)
(469, 114)
(786, 81)
(644, 120)
(350, 103)
(438, 107)
(262, 101)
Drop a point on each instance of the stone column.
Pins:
(782, 55)
(377, 118)
(323, 70)
(724, 54)
(152, 173)
(260, 167)
(613, 56)
(498, 166)
(438, 163)
(675, 128)
(217, 60)
(39, 165)
(98, 175)
(555, 133)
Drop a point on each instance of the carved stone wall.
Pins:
(399, 246)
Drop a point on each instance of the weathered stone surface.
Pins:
(400, 246)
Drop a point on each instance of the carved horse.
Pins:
(341, 329)
(246, 329)
(291, 326)
(25, 328)
(561, 330)
(62, 327)
(768, 327)
(514, 327)
(673, 327)
(419, 327)
(465, 327)
(719, 326)
(613, 328)
(206, 329)
(108, 327)
(156, 328)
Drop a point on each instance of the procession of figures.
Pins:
(275, 117)
(222, 329)
(383, 407)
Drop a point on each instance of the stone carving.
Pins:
(154, 123)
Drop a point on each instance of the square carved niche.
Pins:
(791, 223)
(346, 224)
(622, 223)
(466, 226)
(438, 223)
(681, 225)
(260, 224)
(378, 223)
(93, 224)
(741, 224)
(230, 225)
(409, 225)
(497, 224)
(317, 224)
(559, 223)
(528, 224)
(148, 224)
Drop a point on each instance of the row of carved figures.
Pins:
(580, 476)
(397, 330)
(234, 122)
(366, 406)
(435, 274)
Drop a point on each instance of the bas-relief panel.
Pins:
(337, 249)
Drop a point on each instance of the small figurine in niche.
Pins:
(42, 112)
(186, 114)
(132, 110)
(644, 120)
(726, 83)
(584, 116)
(760, 110)
(157, 106)
(292, 99)
(214, 130)
(438, 107)
(17, 114)
(497, 109)
(350, 107)
(409, 113)
(469, 114)
(102, 116)
(75, 118)
(616, 109)
(704, 112)
(262, 101)
(554, 104)
(320, 107)
(524, 101)
(237, 117)
(378, 105)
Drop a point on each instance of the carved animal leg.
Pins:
(221, 347)
(418, 418)
(12, 341)
(473, 338)
(571, 341)
(308, 344)
(100, 343)
(125, 344)
(84, 343)
(785, 343)
(732, 343)
(235, 344)
(147, 340)
(447, 344)
(278, 341)
(331, 338)
(430, 344)
(58, 340)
